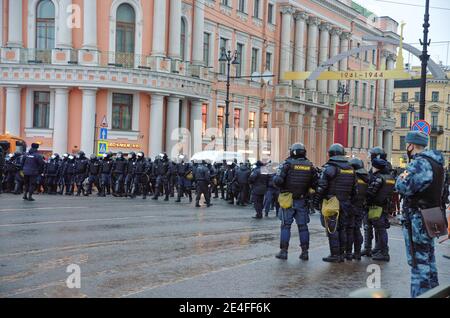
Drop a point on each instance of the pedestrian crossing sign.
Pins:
(103, 134)
(102, 148)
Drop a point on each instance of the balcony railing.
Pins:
(438, 129)
(101, 59)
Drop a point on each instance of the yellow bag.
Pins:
(330, 207)
(375, 212)
(285, 200)
(190, 176)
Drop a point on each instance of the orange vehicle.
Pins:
(11, 144)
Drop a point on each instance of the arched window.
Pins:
(125, 35)
(45, 25)
(183, 40)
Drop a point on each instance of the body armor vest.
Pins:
(385, 193)
(94, 167)
(299, 176)
(107, 167)
(362, 186)
(341, 186)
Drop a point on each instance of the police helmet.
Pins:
(81, 154)
(297, 150)
(93, 157)
(71, 157)
(140, 154)
(357, 163)
(119, 154)
(336, 150)
(377, 152)
(53, 157)
(65, 155)
(105, 155)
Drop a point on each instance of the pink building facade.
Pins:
(151, 66)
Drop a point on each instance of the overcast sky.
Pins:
(413, 16)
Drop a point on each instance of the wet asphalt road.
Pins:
(137, 248)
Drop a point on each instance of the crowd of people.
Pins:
(354, 203)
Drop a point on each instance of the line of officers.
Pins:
(130, 176)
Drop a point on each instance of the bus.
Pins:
(11, 144)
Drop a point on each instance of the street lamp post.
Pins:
(226, 57)
(424, 58)
(343, 91)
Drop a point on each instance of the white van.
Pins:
(218, 156)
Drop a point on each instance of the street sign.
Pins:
(423, 126)
(102, 148)
(104, 122)
(103, 134)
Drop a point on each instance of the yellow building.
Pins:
(406, 111)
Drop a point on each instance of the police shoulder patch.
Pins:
(347, 171)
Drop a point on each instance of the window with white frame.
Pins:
(45, 25)
(125, 34)
(220, 116)
(41, 109)
(240, 54)
(183, 39)
(122, 111)
(241, 6)
(270, 13)
(223, 45)
(237, 122)
(251, 124)
(256, 9)
(268, 61)
(265, 126)
(255, 53)
(206, 47)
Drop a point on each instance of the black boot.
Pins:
(334, 257)
(304, 255)
(357, 255)
(283, 253)
(366, 252)
(381, 256)
(166, 198)
(258, 216)
(197, 204)
(30, 197)
(25, 196)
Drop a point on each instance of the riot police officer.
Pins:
(61, 175)
(202, 179)
(229, 179)
(221, 180)
(338, 179)
(379, 193)
(140, 180)
(32, 166)
(258, 180)
(185, 176)
(162, 172)
(421, 185)
(242, 174)
(81, 170)
(94, 169)
(296, 176)
(51, 173)
(18, 177)
(119, 171)
(106, 174)
(354, 220)
(129, 177)
(10, 172)
(69, 174)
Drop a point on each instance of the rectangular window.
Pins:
(251, 124)
(204, 119)
(225, 3)
(356, 92)
(435, 96)
(433, 143)
(223, 46)
(206, 46)
(122, 110)
(241, 6)
(404, 120)
(417, 97)
(402, 143)
(237, 122)
(354, 137)
(448, 99)
(240, 53)
(268, 61)
(364, 95)
(369, 142)
(220, 116)
(256, 4)
(41, 110)
(254, 60)
(265, 126)
(374, 57)
(361, 144)
(404, 97)
(366, 56)
(270, 13)
(357, 54)
(434, 119)
(372, 96)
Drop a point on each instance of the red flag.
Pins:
(341, 123)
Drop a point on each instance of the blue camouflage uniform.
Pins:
(416, 179)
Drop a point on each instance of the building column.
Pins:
(64, 32)
(159, 29)
(301, 121)
(285, 50)
(198, 30)
(380, 138)
(311, 61)
(390, 83)
(60, 130)
(88, 120)
(90, 25)
(345, 37)
(172, 126)
(175, 30)
(324, 52)
(155, 144)
(12, 117)
(299, 56)
(312, 132)
(15, 24)
(196, 126)
(388, 144)
(382, 83)
(334, 50)
(324, 136)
